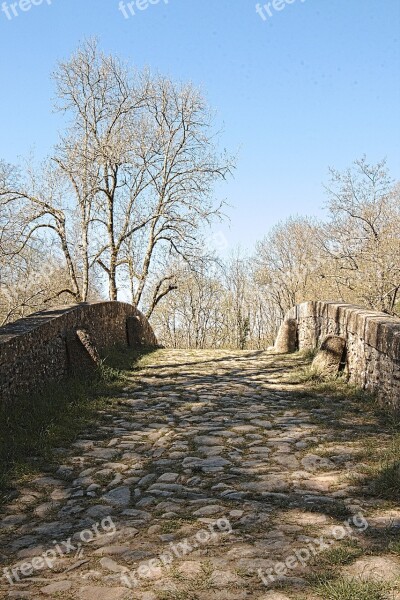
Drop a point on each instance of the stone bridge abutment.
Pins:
(372, 352)
(47, 346)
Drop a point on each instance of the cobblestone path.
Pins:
(209, 471)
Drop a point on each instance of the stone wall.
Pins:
(372, 343)
(44, 347)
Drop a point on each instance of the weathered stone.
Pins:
(274, 596)
(224, 578)
(312, 462)
(207, 511)
(376, 568)
(43, 510)
(88, 344)
(246, 472)
(215, 461)
(137, 514)
(208, 440)
(286, 460)
(103, 593)
(190, 569)
(12, 520)
(372, 341)
(110, 565)
(236, 514)
(119, 497)
(33, 350)
(147, 480)
(168, 478)
(286, 341)
(99, 511)
(56, 588)
(330, 356)
(24, 542)
(112, 550)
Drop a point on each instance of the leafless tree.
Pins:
(362, 238)
(182, 168)
(287, 262)
(129, 185)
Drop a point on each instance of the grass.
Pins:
(386, 483)
(316, 383)
(340, 555)
(326, 566)
(352, 589)
(383, 475)
(308, 354)
(172, 525)
(335, 387)
(394, 547)
(354, 410)
(32, 427)
(122, 360)
(186, 594)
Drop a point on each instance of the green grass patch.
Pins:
(355, 414)
(336, 386)
(385, 482)
(340, 555)
(352, 589)
(394, 547)
(383, 474)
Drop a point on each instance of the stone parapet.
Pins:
(44, 346)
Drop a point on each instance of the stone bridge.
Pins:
(212, 475)
(49, 345)
(371, 343)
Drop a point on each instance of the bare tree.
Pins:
(100, 151)
(192, 317)
(182, 166)
(36, 201)
(214, 307)
(288, 261)
(362, 237)
(140, 153)
(129, 185)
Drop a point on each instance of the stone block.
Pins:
(286, 341)
(330, 356)
(44, 347)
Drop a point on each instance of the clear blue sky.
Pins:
(315, 84)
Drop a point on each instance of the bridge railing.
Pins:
(372, 342)
(47, 346)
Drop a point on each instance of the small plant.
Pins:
(171, 526)
(383, 478)
(109, 374)
(340, 555)
(352, 589)
(309, 354)
(394, 547)
(386, 481)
